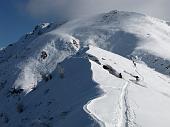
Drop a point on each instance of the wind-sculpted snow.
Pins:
(27, 62)
(123, 33)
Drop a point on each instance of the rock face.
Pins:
(88, 72)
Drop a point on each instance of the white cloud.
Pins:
(46, 8)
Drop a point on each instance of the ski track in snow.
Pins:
(129, 112)
(102, 124)
(126, 116)
(120, 120)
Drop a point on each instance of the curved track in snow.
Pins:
(102, 124)
(120, 121)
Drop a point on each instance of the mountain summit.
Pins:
(107, 70)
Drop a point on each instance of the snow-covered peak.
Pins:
(128, 34)
(131, 31)
(39, 30)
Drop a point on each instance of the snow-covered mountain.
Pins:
(109, 70)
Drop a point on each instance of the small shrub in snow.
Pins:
(51, 118)
(168, 67)
(4, 118)
(34, 88)
(49, 103)
(2, 85)
(46, 91)
(64, 114)
(50, 76)
(47, 77)
(61, 75)
(20, 107)
(40, 33)
(60, 70)
(39, 123)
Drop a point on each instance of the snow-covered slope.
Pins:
(128, 102)
(127, 34)
(83, 73)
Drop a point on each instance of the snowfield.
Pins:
(109, 70)
(128, 102)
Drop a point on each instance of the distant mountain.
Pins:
(108, 70)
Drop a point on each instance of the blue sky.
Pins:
(15, 21)
(18, 17)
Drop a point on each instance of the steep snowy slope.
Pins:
(90, 95)
(57, 102)
(26, 63)
(84, 73)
